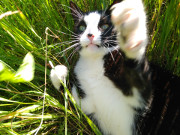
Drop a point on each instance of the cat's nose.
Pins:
(90, 36)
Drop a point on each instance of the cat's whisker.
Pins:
(66, 33)
(110, 38)
(108, 30)
(78, 13)
(71, 14)
(69, 42)
(104, 13)
(107, 47)
(111, 54)
(72, 46)
(113, 35)
(58, 44)
(73, 38)
(117, 49)
(110, 42)
(65, 43)
(71, 31)
(72, 54)
(55, 36)
(105, 16)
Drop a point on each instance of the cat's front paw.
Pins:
(58, 74)
(129, 20)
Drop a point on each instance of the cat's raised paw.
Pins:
(127, 13)
(58, 74)
(129, 20)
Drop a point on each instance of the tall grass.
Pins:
(164, 31)
(42, 27)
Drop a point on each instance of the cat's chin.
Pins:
(92, 50)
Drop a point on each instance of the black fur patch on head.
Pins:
(77, 26)
(108, 35)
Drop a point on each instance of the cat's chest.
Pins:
(90, 74)
(102, 97)
(94, 83)
(90, 70)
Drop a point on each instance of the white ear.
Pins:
(58, 74)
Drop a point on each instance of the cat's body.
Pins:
(113, 82)
(103, 100)
(112, 108)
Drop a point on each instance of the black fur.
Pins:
(163, 116)
(79, 90)
(128, 73)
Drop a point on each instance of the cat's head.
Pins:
(95, 31)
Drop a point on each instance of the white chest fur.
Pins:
(110, 107)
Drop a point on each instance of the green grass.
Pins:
(21, 103)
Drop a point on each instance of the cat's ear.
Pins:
(75, 11)
(108, 11)
(115, 2)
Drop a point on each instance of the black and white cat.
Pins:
(112, 75)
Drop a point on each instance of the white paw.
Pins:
(58, 74)
(129, 20)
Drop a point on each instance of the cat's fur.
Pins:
(112, 97)
(112, 79)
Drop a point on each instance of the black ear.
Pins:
(75, 11)
(115, 2)
(108, 11)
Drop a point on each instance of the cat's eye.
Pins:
(104, 27)
(82, 28)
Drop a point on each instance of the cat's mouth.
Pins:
(92, 45)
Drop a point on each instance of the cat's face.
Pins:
(95, 32)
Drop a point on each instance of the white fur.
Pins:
(58, 74)
(91, 21)
(129, 19)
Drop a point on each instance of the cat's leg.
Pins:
(129, 19)
(58, 74)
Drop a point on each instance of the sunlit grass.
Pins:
(23, 31)
(164, 28)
